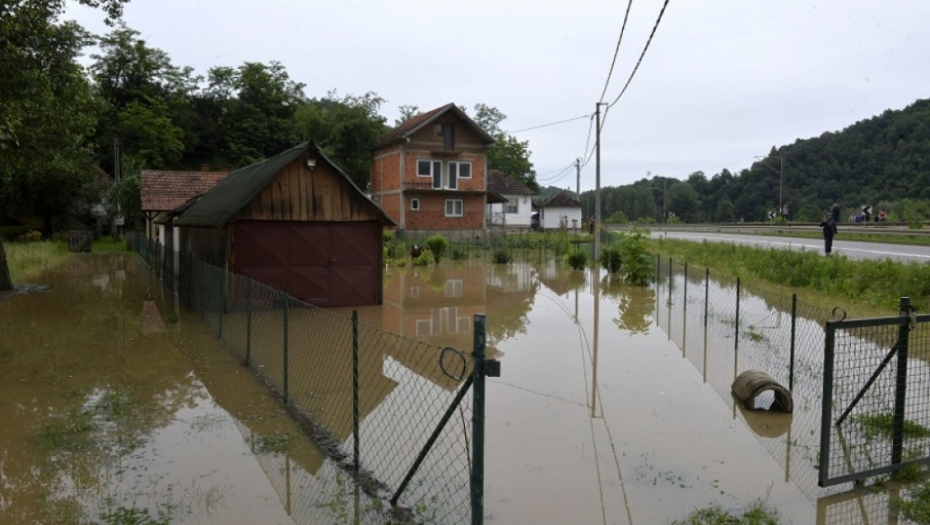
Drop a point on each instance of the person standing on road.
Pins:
(591, 225)
(835, 212)
(829, 229)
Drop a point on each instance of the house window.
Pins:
(414, 204)
(453, 207)
(461, 170)
(512, 205)
(414, 292)
(454, 288)
(429, 168)
(448, 136)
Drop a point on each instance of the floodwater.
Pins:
(110, 401)
(112, 404)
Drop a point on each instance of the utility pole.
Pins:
(597, 183)
(578, 178)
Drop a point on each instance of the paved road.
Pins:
(851, 249)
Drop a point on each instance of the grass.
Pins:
(916, 507)
(273, 444)
(28, 259)
(755, 514)
(883, 425)
(879, 284)
(916, 240)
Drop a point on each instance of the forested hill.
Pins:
(883, 161)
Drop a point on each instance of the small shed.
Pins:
(560, 210)
(294, 222)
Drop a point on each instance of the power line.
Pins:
(558, 176)
(559, 172)
(616, 51)
(550, 124)
(641, 55)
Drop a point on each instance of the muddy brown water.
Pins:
(109, 401)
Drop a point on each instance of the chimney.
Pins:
(204, 167)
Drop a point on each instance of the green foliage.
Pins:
(611, 259)
(877, 283)
(883, 425)
(755, 514)
(502, 256)
(347, 129)
(459, 253)
(424, 259)
(508, 155)
(276, 443)
(27, 259)
(725, 211)
(634, 253)
(684, 202)
(437, 245)
(133, 516)
(916, 506)
(577, 259)
(617, 217)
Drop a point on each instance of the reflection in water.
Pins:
(101, 412)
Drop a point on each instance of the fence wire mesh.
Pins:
(725, 327)
(318, 361)
(879, 411)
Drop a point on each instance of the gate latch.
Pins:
(492, 368)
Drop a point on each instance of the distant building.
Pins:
(518, 210)
(560, 210)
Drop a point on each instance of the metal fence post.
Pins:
(222, 300)
(827, 404)
(736, 334)
(477, 472)
(706, 296)
(355, 388)
(900, 388)
(248, 327)
(670, 291)
(686, 290)
(794, 325)
(286, 301)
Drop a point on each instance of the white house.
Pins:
(560, 210)
(518, 210)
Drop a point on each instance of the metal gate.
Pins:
(876, 396)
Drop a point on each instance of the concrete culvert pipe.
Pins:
(752, 384)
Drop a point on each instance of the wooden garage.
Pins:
(294, 222)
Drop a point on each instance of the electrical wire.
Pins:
(616, 51)
(641, 55)
(550, 124)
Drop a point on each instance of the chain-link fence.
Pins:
(725, 327)
(877, 416)
(390, 410)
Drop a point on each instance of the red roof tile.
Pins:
(413, 124)
(166, 190)
(504, 185)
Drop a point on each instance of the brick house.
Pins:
(430, 172)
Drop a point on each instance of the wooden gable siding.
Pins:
(464, 136)
(299, 194)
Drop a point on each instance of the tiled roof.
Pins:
(504, 185)
(166, 190)
(413, 124)
(561, 199)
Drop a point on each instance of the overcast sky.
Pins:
(723, 80)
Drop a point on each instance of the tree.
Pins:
(508, 155)
(259, 103)
(684, 202)
(347, 129)
(725, 211)
(406, 113)
(44, 106)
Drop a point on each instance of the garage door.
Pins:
(326, 264)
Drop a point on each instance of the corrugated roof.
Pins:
(166, 190)
(501, 184)
(561, 199)
(417, 122)
(218, 206)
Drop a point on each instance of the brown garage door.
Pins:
(323, 263)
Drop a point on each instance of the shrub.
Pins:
(610, 259)
(634, 254)
(437, 245)
(502, 256)
(424, 259)
(458, 254)
(577, 259)
(31, 236)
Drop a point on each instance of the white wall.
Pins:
(521, 218)
(551, 218)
